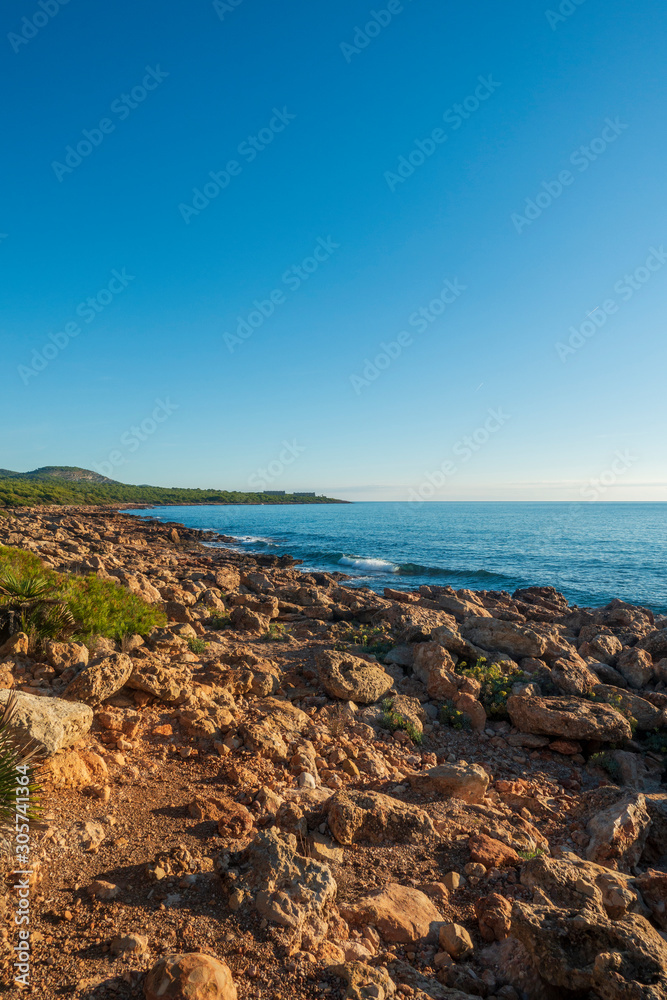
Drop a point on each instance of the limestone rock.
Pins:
(402, 915)
(100, 680)
(622, 959)
(655, 643)
(468, 782)
(602, 647)
(618, 833)
(573, 676)
(190, 977)
(171, 684)
(364, 981)
(372, 816)
(491, 853)
(569, 717)
(455, 940)
(504, 637)
(292, 891)
(647, 715)
(351, 678)
(636, 666)
(494, 916)
(51, 721)
(75, 770)
(62, 655)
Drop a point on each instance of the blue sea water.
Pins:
(592, 552)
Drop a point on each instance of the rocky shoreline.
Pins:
(296, 788)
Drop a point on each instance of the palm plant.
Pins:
(28, 602)
(19, 758)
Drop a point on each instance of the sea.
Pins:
(591, 552)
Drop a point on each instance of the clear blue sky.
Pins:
(340, 109)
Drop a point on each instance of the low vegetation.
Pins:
(276, 633)
(375, 641)
(53, 605)
(40, 492)
(451, 716)
(392, 721)
(496, 680)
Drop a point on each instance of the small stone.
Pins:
(455, 940)
(129, 944)
(453, 880)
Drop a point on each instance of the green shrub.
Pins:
(392, 721)
(197, 645)
(376, 641)
(529, 855)
(451, 716)
(496, 684)
(607, 763)
(656, 742)
(87, 605)
(276, 633)
(219, 622)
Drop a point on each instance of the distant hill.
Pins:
(71, 473)
(70, 485)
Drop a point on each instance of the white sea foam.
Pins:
(369, 565)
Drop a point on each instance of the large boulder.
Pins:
(504, 637)
(646, 714)
(572, 718)
(434, 666)
(572, 676)
(190, 977)
(636, 666)
(62, 655)
(655, 643)
(468, 782)
(584, 951)
(603, 647)
(351, 678)
(289, 890)
(371, 816)
(100, 680)
(618, 832)
(401, 914)
(171, 684)
(52, 722)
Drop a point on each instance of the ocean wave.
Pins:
(255, 540)
(368, 564)
(415, 569)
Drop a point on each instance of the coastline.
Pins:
(417, 753)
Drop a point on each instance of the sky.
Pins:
(368, 251)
